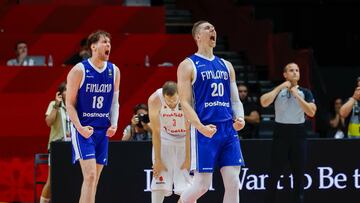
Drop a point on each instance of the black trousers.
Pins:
(289, 146)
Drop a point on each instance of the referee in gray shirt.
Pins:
(289, 141)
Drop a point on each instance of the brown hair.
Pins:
(95, 37)
(242, 85)
(285, 68)
(62, 87)
(169, 88)
(140, 106)
(17, 44)
(195, 28)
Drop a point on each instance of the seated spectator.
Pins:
(251, 112)
(139, 129)
(353, 106)
(22, 58)
(336, 122)
(83, 54)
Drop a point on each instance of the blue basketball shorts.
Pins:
(94, 147)
(223, 149)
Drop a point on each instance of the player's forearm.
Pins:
(157, 145)
(114, 110)
(73, 116)
(236, 105)
(191, 115)
(187, 144)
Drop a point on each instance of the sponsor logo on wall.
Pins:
(321, 178)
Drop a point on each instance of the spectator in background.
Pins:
(57, 119)
(22, 58)
(139, 129)
(336, 122)
(251, 111)
(353, 106)
(83, 54)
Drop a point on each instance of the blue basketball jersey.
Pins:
(211, 89)
(95, 96)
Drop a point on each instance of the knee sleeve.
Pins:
(157, 196)
(230, 175)
(201, 184)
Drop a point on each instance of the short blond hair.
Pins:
(195, 28)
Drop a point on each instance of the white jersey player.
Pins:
(171, 158)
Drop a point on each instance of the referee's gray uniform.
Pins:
(289, 141)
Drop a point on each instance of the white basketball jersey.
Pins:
(172, 121)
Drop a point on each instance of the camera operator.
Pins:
(139, 129)
(353, 106)
(56, 118)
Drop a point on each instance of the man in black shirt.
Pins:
(251, 112)
(79, 56)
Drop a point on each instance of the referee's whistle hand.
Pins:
(286, 84)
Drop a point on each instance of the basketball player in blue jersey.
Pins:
(93, 108)
(208, 82)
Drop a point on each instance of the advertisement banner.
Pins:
(332, 174)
